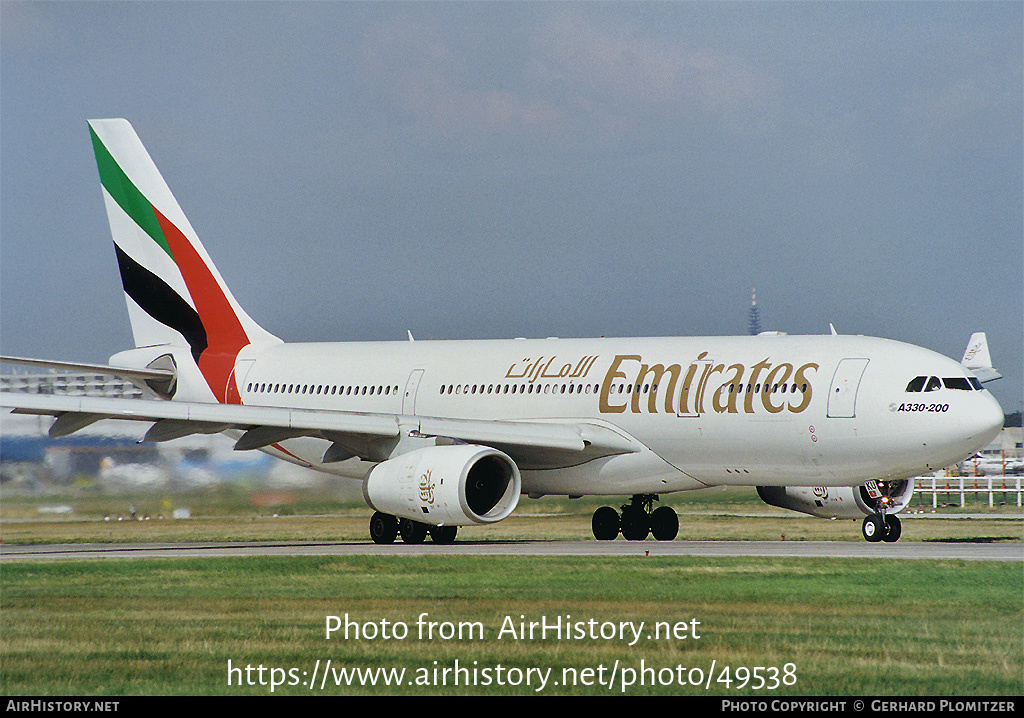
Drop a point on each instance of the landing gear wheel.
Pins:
(412, 531)
(636, 524)
(893, 529)
(873, 528)
(605, 524)
(664, 523)
(383, 528)
(443, 534)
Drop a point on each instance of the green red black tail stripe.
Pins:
(156, 298)
(205, 317)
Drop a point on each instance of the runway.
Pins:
(903, 550)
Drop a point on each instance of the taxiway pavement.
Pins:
(903, 550)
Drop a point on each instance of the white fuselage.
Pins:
(768, 410)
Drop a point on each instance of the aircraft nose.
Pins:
(985, 421)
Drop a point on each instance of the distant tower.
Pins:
(755, 316)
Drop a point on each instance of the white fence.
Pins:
(957, 488)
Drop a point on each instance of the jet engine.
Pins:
(454, 485)
(841, 502)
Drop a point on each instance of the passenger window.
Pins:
(933, 384)
(916, 384)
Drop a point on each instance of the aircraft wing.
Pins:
(372, 437)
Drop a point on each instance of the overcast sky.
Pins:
(487, 170)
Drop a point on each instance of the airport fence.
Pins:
(954, 490)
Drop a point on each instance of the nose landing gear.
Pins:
(637, 521)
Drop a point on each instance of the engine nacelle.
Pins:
(454, 485)
(841, 502)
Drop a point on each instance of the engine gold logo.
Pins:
(426, 488)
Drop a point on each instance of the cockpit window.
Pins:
(933, 383)
(917, 383)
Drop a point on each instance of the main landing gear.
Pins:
(384, 528)
(637, 521)
(881, 527)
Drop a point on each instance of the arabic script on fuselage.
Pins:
(548, 368)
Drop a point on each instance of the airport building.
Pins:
(111, 455)
(74, 384)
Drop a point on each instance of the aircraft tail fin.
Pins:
(175, 294)
(977, 359)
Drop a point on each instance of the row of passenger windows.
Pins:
(519, 389)
(595, 388)
(322, 389)
(379, 390)
(933, 383)
(770, 389)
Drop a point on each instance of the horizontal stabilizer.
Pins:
(118, 371)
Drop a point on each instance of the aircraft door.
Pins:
(411, 386)
(842, 396)
(236, 380)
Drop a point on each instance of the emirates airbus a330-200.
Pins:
(443, 434)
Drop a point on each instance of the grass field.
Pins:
(844, 627)
(238, 513)
(809, 626)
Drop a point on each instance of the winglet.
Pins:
(977, 359)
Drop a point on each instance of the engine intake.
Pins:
(445, 485)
